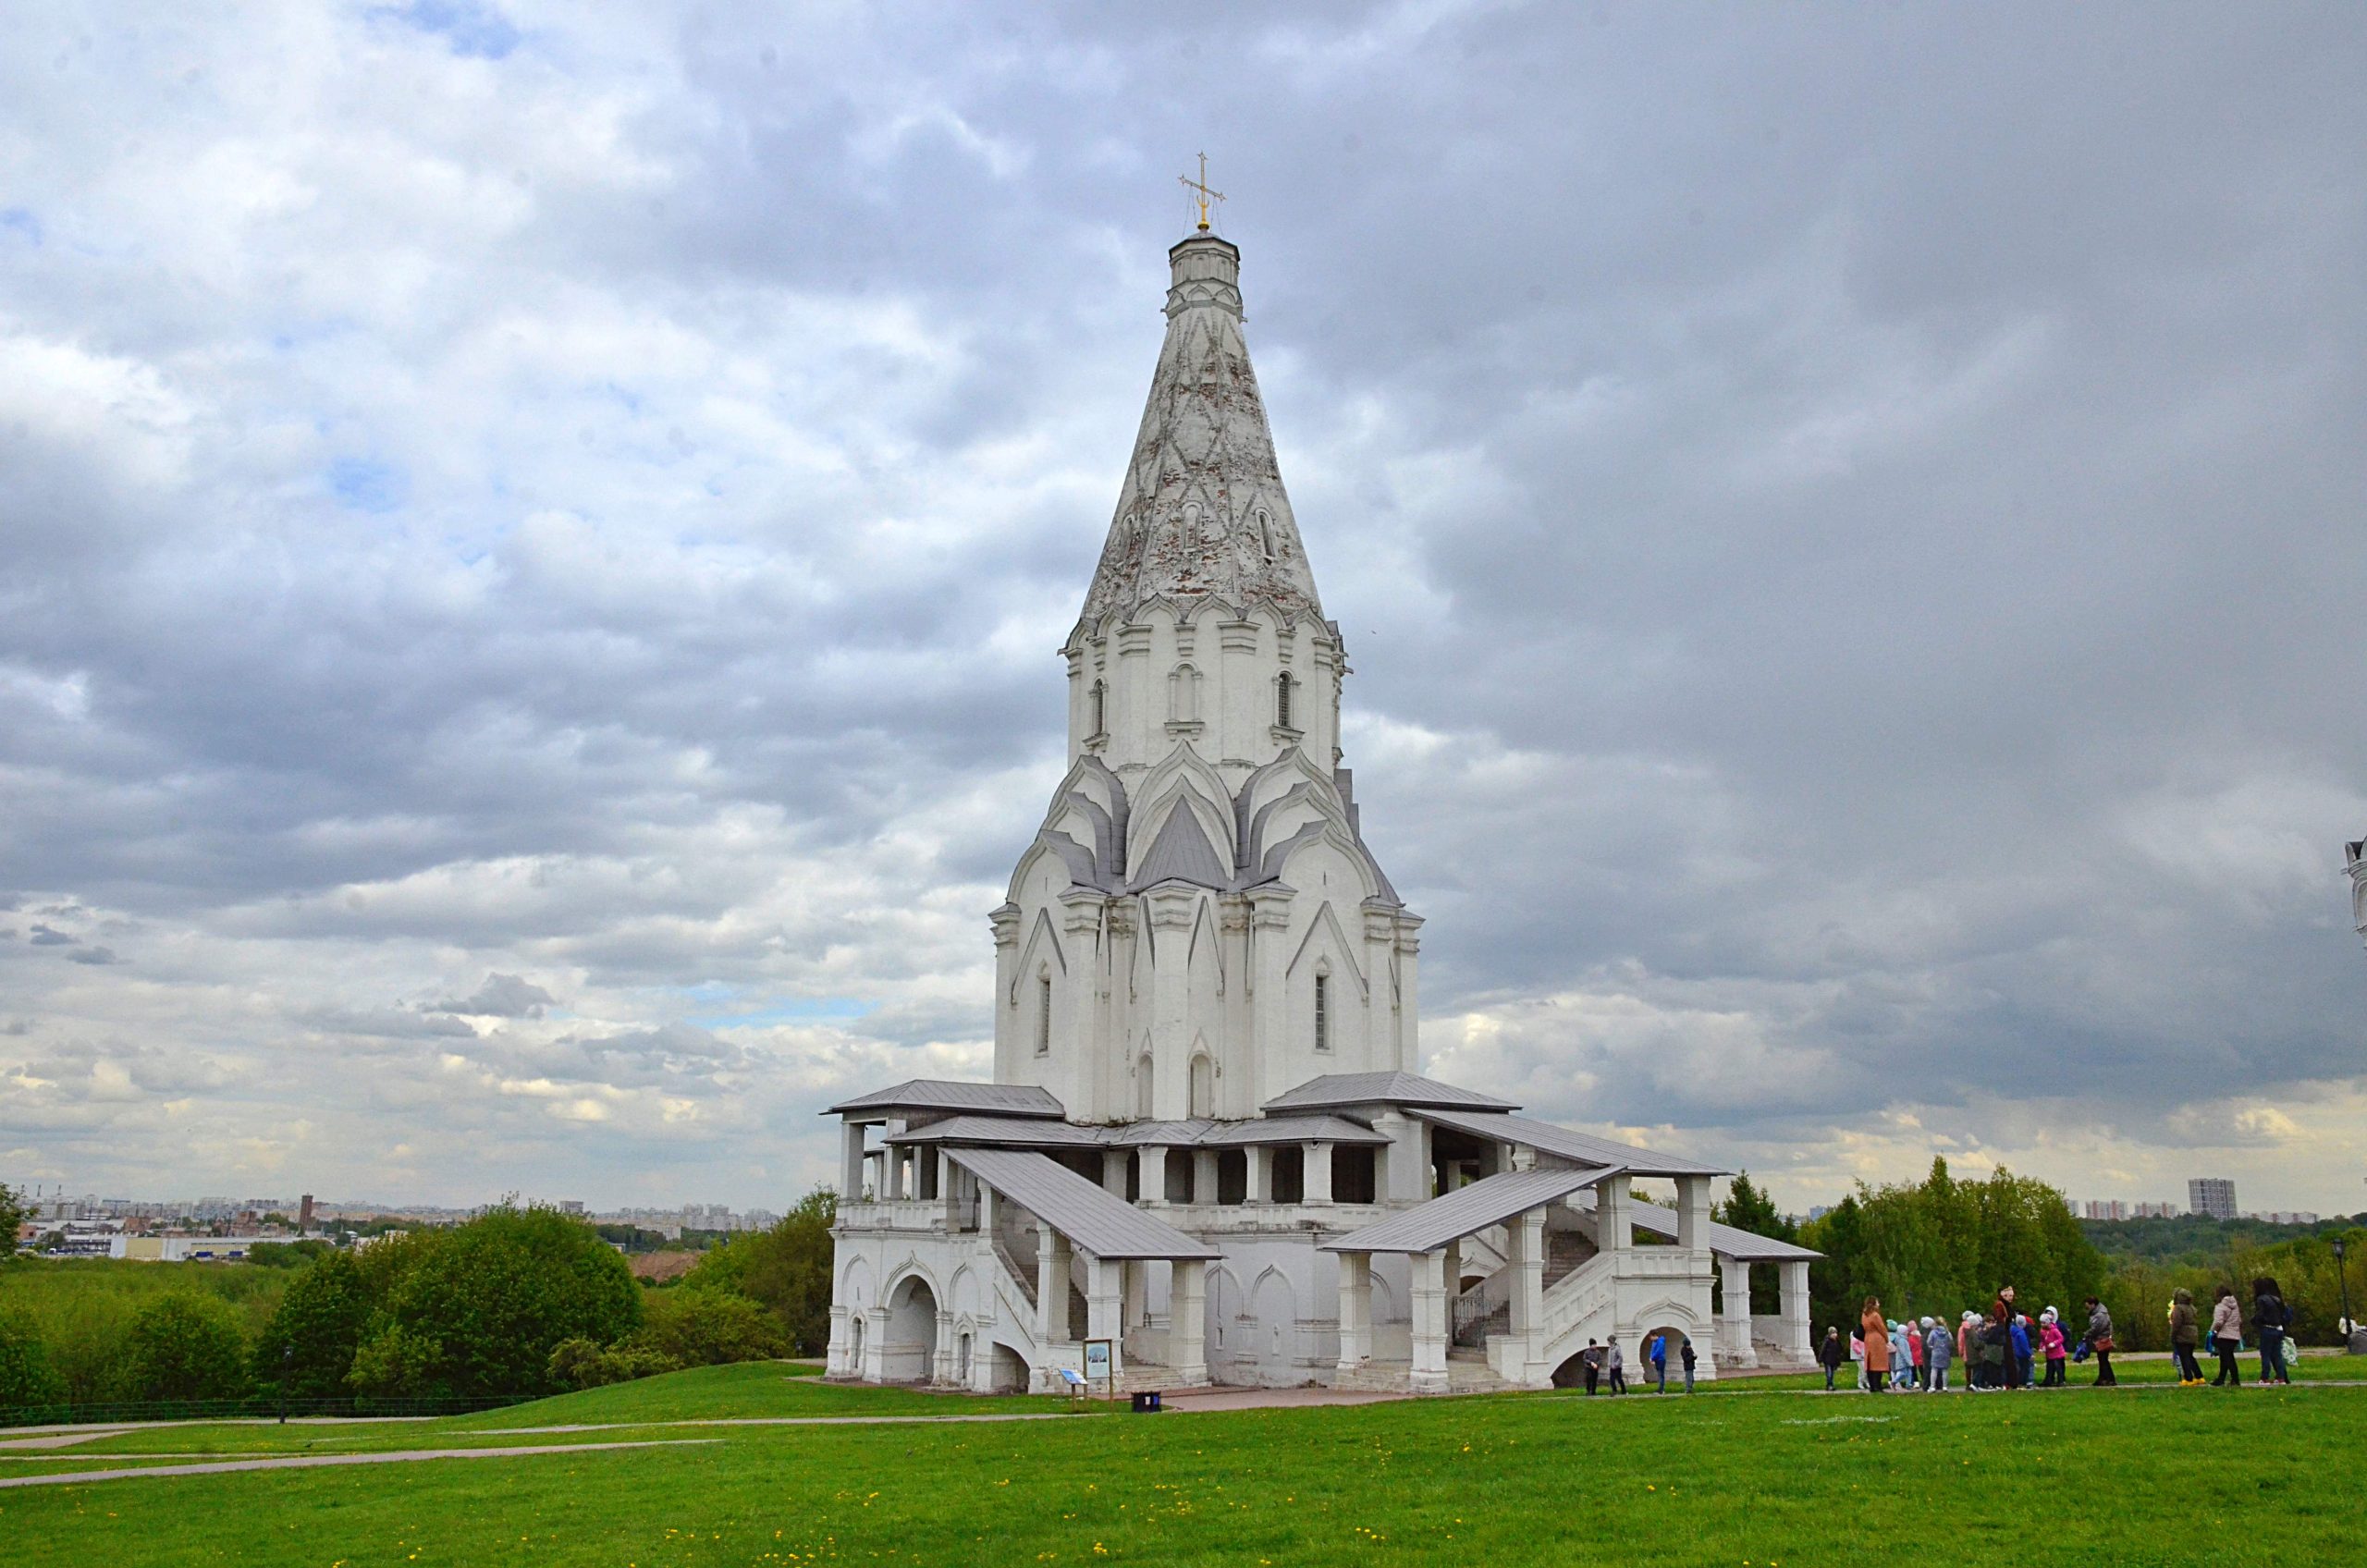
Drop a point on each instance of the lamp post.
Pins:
(287, 1363)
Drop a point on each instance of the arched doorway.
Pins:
(910, 1340)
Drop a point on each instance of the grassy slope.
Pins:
(2147, 1475)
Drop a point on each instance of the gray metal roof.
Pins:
(1156, 1135)
(1181, 852)
(1489, 1201)
(940, 1094)
(1745, 1246)
(1382, 1088)
(1101, 1224)
(1197, 1133)
(1290, 1130)
(1580, 1147)
(1024, 1130)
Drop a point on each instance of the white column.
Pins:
(835, 1365)
(1527, 1234)
(851, 1162)
(1113, 1171)
(875, 1346)
(1053, 1288)
(1614, 1216)
(1734, 1313)
(1693, 1211)
(1261, 1172)
(1798, 1337)
(1187, 1332)
(1429, 1374)
(1315, 1166)
(1356, 1309)
(1104, 1296)
(896, 1158)
(1154, 1175)
(1204, 1176)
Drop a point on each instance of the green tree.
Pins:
(321, 1318)
(787, 1268)
(14, 1212)
(479, 1309)
(26, 1374)
(186, 1346)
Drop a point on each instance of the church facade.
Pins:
(1206, 1141)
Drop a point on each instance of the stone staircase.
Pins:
(1564, 1250)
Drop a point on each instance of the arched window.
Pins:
(1203, 1087)
(1322, 1011)
(1283, 699)
(1142, 1087)
(1266, 532)
(1100, 703)
(1044, 1013)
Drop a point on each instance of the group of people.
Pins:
(2001, 1350)
(1598, 1363)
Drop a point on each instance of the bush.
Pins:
(186, 1347)
(581, 1364)
(321, 1319)
(709, 1329)
(480, 1309)
(26, 1376)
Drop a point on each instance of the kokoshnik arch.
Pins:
(1207, 1138)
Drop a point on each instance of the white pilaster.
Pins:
(1316, 1180)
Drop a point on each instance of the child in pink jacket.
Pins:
(2050, 1340)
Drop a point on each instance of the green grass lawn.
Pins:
(2151, 1475)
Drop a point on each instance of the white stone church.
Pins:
(1207, 1140)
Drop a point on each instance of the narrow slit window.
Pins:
(1282, 701)
(1323, 1013)
(1043, 1015)
(1266, 532)
(1100, 707)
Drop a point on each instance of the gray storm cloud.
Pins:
(1847, 524)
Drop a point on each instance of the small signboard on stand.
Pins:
(1101, 1362)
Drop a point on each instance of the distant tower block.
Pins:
(2212, 1195)
(304, 1213)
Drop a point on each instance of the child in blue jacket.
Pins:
(2020, 1326)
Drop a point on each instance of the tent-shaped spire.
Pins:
(1202, 513)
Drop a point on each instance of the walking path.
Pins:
(313, 1461)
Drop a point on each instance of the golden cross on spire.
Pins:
(1200, 191)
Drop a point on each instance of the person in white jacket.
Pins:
(2227, 1337)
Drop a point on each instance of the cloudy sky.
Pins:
(533, 540)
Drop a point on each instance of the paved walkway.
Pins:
(313, 1461)
(783, 1421)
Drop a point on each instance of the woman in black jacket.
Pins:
(2271, 1320)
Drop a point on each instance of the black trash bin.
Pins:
(1147, 1402)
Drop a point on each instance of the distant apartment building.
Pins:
(2285, 1216)
(2105, 1208)
(2157, 1211)
(2210, 1195)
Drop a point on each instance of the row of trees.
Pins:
(1942, 1246)
(516, 1302)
